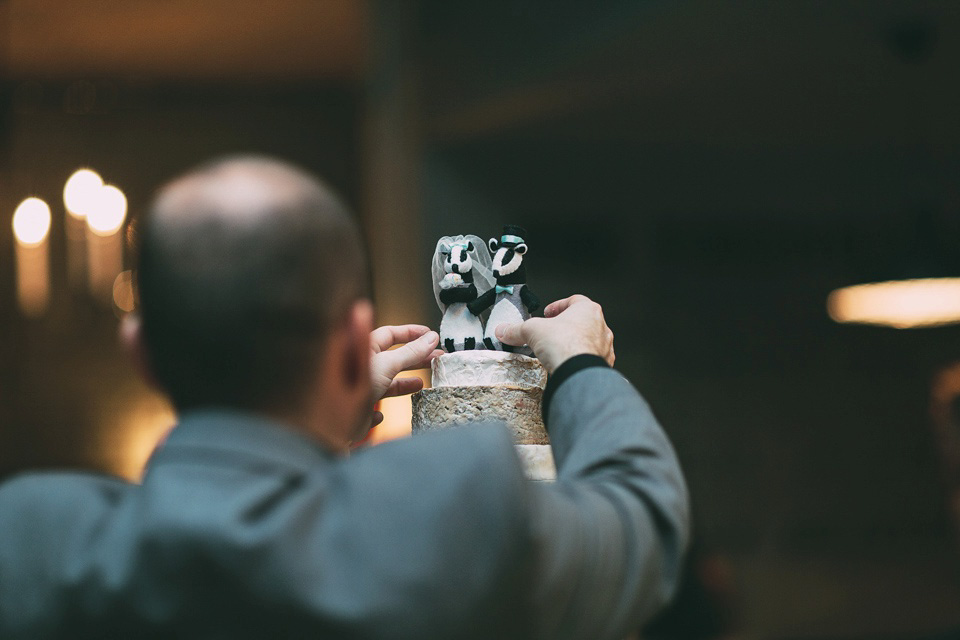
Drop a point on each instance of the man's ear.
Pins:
(359, 327)
(131, 339)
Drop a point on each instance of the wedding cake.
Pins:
(487, 388)
(480, 381)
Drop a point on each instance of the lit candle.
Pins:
(31, 226)
(79, 197)
(104, 243)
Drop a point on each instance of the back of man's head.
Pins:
(245, 265)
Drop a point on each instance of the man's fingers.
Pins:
(521, 333)
(511, 333)
(409, 355)
(383, 338)
(425, 364)
(556, 308)
(403, 386)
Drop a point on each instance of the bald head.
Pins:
(244, 265)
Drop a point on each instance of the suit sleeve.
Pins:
(611, 532)
(441, 536)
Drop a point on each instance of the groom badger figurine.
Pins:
(511, 298)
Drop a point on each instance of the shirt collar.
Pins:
(245, 434)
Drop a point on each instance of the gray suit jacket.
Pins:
(242, 528)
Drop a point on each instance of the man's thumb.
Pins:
(511, 333)
(423, 346)
(411, 353)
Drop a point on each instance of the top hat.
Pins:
(513, 234)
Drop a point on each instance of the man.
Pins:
(251, 520)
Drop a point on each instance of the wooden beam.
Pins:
(392, 167)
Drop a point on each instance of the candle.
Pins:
(31, 227)
(80, 195)
(104, 242)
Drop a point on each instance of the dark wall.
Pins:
(710, 173)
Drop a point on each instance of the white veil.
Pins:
(482, 264)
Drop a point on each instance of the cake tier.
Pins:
(487, 368)
(537, 460)
(518, 408)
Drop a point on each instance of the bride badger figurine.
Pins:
(511, 299)
(460, 263)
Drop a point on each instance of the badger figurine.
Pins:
(511, 299)
(460, 330)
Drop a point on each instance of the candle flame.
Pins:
(107, 216)
(31, 222)
(81, 192)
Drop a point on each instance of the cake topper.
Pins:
(460, 264)
(511, 299)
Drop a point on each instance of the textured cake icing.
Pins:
(484, 387)
(488, 368)
(518, 408)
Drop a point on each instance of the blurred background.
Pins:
(709, 171)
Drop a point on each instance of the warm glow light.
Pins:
(107, 215)
(132, 434)
(902, 304)
(31, 222)
(397, 412)
(81, 193)
(123, 291)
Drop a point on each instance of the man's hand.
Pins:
(385, 365)
(569, 327)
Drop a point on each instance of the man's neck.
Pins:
(315, 428)
(302, 421)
